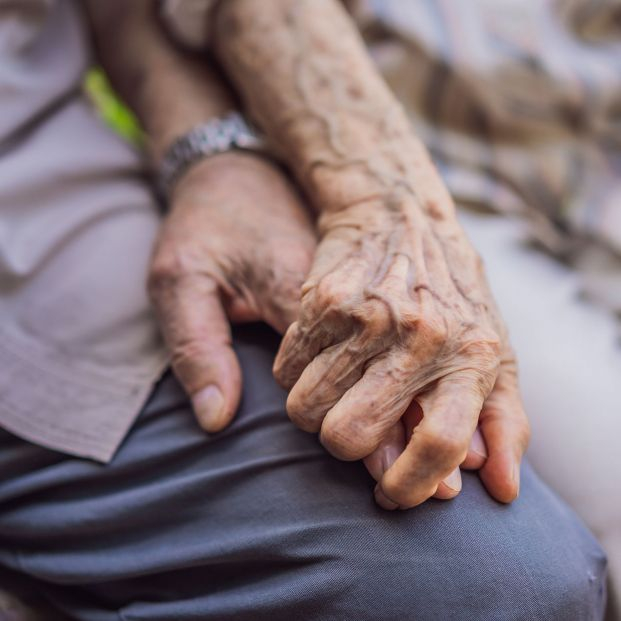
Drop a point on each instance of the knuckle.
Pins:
(394, 491)
(331, 293)
(340, 441)
(440, 445)
(483, 356)
(281, 373)
(375, 316)
(299, 414)
(294, 407)
(287, 366)
(432, 331)
(164, 273)
(487, 348)
(405, 496)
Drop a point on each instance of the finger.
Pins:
(198, 336)
(327, 378)
(298, 348)
(438, 444)
(389, 449)
(324, 315)
(505, 428)
(449, 487)
(358, 422)
(477, 452)
(387, 452)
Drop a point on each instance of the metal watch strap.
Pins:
(215, 136)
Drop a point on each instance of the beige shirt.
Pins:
(79, 348)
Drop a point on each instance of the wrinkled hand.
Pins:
(235, 247)
(399, 354)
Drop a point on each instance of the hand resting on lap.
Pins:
(235, 247)
(396, 308)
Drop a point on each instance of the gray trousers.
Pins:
(259, 523)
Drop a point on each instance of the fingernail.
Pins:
(389, 457)
(477, 444)
(453, 480)
(208, 405)
(382, 500)
(516, 479)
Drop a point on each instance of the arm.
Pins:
(211, 265)
(304, 72)
(396, 312)
(170, 92)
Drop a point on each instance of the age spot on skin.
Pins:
(354, 91)
(433, 211)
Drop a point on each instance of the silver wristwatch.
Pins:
(215, 136)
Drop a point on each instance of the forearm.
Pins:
(305, 74)
(169, 91)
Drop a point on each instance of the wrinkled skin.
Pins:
(235, 247)
(396, 314)
(396, 308)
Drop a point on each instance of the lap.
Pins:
(258, 522)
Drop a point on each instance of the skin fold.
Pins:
(393, 349)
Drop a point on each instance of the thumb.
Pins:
(198, 335)
(506, 431)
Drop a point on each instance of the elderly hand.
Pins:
(399, 353)
(236, 246)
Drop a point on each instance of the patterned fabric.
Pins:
(520, 104)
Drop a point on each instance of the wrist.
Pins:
(229, 169)
(410, 196)
(187, 104)
(394, 167)
(230, 132)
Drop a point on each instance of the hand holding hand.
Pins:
(397, 319)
